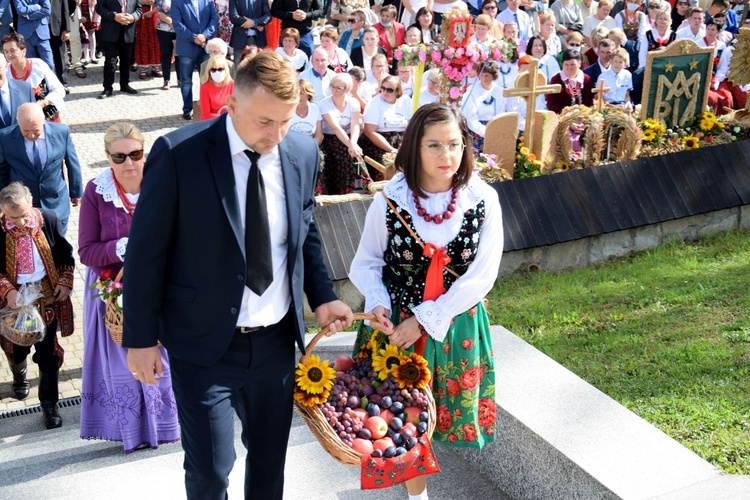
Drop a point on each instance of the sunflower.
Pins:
(385, 361)
(564, 166)
(412, 372)
(649, 135)
(709, 115)
(309, 400)
(706, 124)
(690, 142)
(315, 376)
(376, 342)
(524, 151)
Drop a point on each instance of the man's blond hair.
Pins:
(270, 71)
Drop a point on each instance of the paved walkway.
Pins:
(156, 112)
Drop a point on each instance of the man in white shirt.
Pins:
(513, 15)
(695, 30)
(319, 75)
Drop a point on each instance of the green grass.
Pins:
(666, 333)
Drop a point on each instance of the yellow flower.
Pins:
(649, 135)
(376, 343)
(563, 166)
(308, 400)
(690, 142)
(706, 124)
(709, 115)
(385, 361)
(412, 372)
(537, 163)
(525, 151)
(315, 376)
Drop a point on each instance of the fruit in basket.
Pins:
(365, 433)
(390, 452)
(396, 424)
(362, 414)
(409, 430)
(397, 407)
(377, 426)
(400, 451)
(386, 402)
(362, 446)
(422, 427)
(373, 410)
(383, 444)
(376, 454)
(424, 416)
(353, 402)
(387, 415)
(412, 414)
(343, 364)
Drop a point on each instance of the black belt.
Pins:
(247, 329)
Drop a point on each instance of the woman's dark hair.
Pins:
(712, 22)
(530, 44)
(422, 11)
(490, 67)
(409, 157)
(15, 37)
(570, 54)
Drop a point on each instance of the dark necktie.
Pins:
(257, 241)
(37, 158)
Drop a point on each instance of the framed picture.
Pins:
(460, 31)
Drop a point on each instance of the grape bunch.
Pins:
(345, 423)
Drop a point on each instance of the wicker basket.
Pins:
(113, 318)
(322, 430)
(23, 339)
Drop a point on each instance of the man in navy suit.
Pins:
(195, 22)
(249, 18)
(33, 24)
(117, 34)
(13, 93)
(604, 52)
(221, 250)
(32, 151)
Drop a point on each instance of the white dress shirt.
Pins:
(272, 306)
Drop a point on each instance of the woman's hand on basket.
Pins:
(334, 315)
(406, 333)
(382, 321)
(12, 299)
(144, 362)
(61, 291)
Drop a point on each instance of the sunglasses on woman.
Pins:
(217, 70)
(119, 158)
(387, 89)
(353, 21)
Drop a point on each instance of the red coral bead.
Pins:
(447, 215)
(421, 212)
(437, 219)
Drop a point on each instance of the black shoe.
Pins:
(129, 90)
(20, 383)
(52, 418)
(105, 94)
(187, 115)
(67, 90)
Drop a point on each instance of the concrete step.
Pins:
(36, 463)
(719, 488)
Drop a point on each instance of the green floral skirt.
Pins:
(463, 379)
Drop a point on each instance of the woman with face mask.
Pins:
(632, 20)
(216, 86)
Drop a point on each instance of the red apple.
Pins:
(362, 414)
(409, 430)
(386, 415)
(343, 363)
(382, 444)
(362, 446)
(412, 414)
(377, 426)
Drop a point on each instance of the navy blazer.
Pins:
(187, 22)
(110, 30)
(185, 263)
(258, 11)
(48, 187)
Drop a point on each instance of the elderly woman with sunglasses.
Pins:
(115, 406)
(491, 8)
(216, 86)
(386, 117)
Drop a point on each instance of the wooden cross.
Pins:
(528, 85)
(599, 91)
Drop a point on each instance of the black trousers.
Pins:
(166, 48)
(113, 50)
(254, 379)
(59, 56)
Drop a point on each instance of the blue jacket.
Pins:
(20, 93)
(188, 23)
(33, 16)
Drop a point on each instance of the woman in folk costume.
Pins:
(36, 252)
(430, 251)
(114, 405)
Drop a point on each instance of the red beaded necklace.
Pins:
(438, 218)
(129, 207)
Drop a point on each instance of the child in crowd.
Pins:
(617, 78)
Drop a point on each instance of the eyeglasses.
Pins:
(390, 90)
(574, 45)
(434, 82)
(336, 87)
(683, 3)
(653, 6)
(436, 149)
(353, 21)
(217, 70)
(119, 158)
(489, 7)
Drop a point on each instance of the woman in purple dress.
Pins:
(115, 406)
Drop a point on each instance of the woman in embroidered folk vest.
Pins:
(430, 251)
(115, 406)
(35, 251)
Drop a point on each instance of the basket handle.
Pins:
(120, 273)
(324, 331)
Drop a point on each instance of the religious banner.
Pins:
(676, 82)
